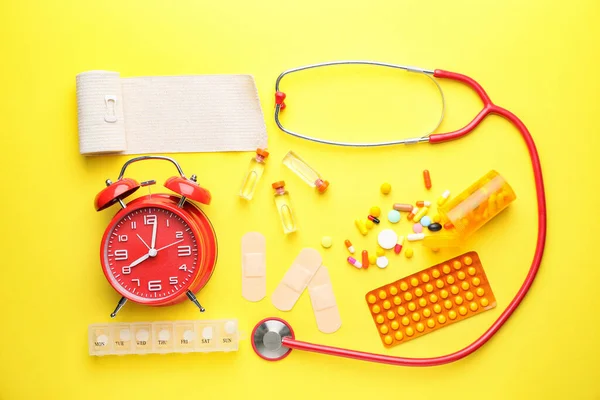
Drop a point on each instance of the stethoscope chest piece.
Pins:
(267, 339)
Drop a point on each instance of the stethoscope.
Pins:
(273, 338)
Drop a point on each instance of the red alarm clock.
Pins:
(159, 249)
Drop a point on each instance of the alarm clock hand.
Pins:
(139, 260)
(169, 245)
(154, 226)
(145, 244)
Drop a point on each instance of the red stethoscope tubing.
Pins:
(489, 108)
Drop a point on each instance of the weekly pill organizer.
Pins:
(200, 336)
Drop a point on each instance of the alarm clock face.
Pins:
(150, 255)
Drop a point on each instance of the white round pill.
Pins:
(189, 335)
(142, 335)
(102, 340)
(164, 334)
(125, 334)
(230, 327)
(382, 262)
(207, 333)
(387, 239)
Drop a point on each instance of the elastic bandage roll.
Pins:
(254, 270)
(323, 302)
(296, 279)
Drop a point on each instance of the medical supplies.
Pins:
(255, 172)
(284, 208)
(427, 179)
(254, 266)
(305, 172)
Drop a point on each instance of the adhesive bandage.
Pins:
(296, 279)
(254, 270)
(323, 302)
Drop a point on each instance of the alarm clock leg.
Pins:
(118, 307)
(194, 300)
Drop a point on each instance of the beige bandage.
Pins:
(168, 114)
(323, 302)
(254, 269)
(296, 279)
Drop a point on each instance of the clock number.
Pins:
(173, 280)
(123, 238)
(137, 281)
(167, 223)
(179, 235)
(183, 268)
(149, 219)
(154, 286)
(121, 255)
(184, 251)
(126, 270)
(133, 225)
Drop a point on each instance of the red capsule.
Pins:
(365, 259)
(448, 225)
(374, 219)
(412, 213)
(427, 179)
(403, 207)
(423, 203)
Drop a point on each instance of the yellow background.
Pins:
(537, 58)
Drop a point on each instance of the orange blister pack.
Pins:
(430, 299)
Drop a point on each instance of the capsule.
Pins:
(421, 213)
(365, 259)
(413, 237)
(448, 225)
(399, 244)
(352, 261)
(374, 219)
(427, 179)
(423, 203)
(349, 246)
(434, 227)
(362, 228)
(403, 207)
(442, 199)
(412, 214)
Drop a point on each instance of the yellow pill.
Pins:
(376, 309)
(480, 292)
(426, 312)
(420, 327)
(444, 294)
(424, 278)
(383, 329)
(407, 296)
(422, 302)
(441, 319)
(437, 218)
(372, 299)
(447, 304)
(475, 281)
(465, 286)
(408, 253)
(375, 211)
(386, 188)
(393, 290)
(414, 282)
(439, 283)
(401, 310)
(468, 260)
(372, 259)
(454, 289)
(450, 280)
(418, 292)
(433, 298)
(405, 321)
(387, 305)
(435, 273)
(362, 228)
(403, 286)
(391, 315)
(382, 294)
(369, 224)
(462, 310)
(429, 288)
(469, 296)
(410, 331)
(456, 264)
(380, 252)
(446, 269)
(412, 306)
(471, 271)
(394, 325)
(380, 319)
(484, 302)
(473, 306)
(416, 317)
(452, 314)
(437, 308)
(388, 339)
(458, 300)
(397, 300)
(398, 335)
(461, 275)
(430, 323)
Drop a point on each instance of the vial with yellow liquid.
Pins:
(472, 209)
(282, 201)
(305, 171)
(255, 171)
